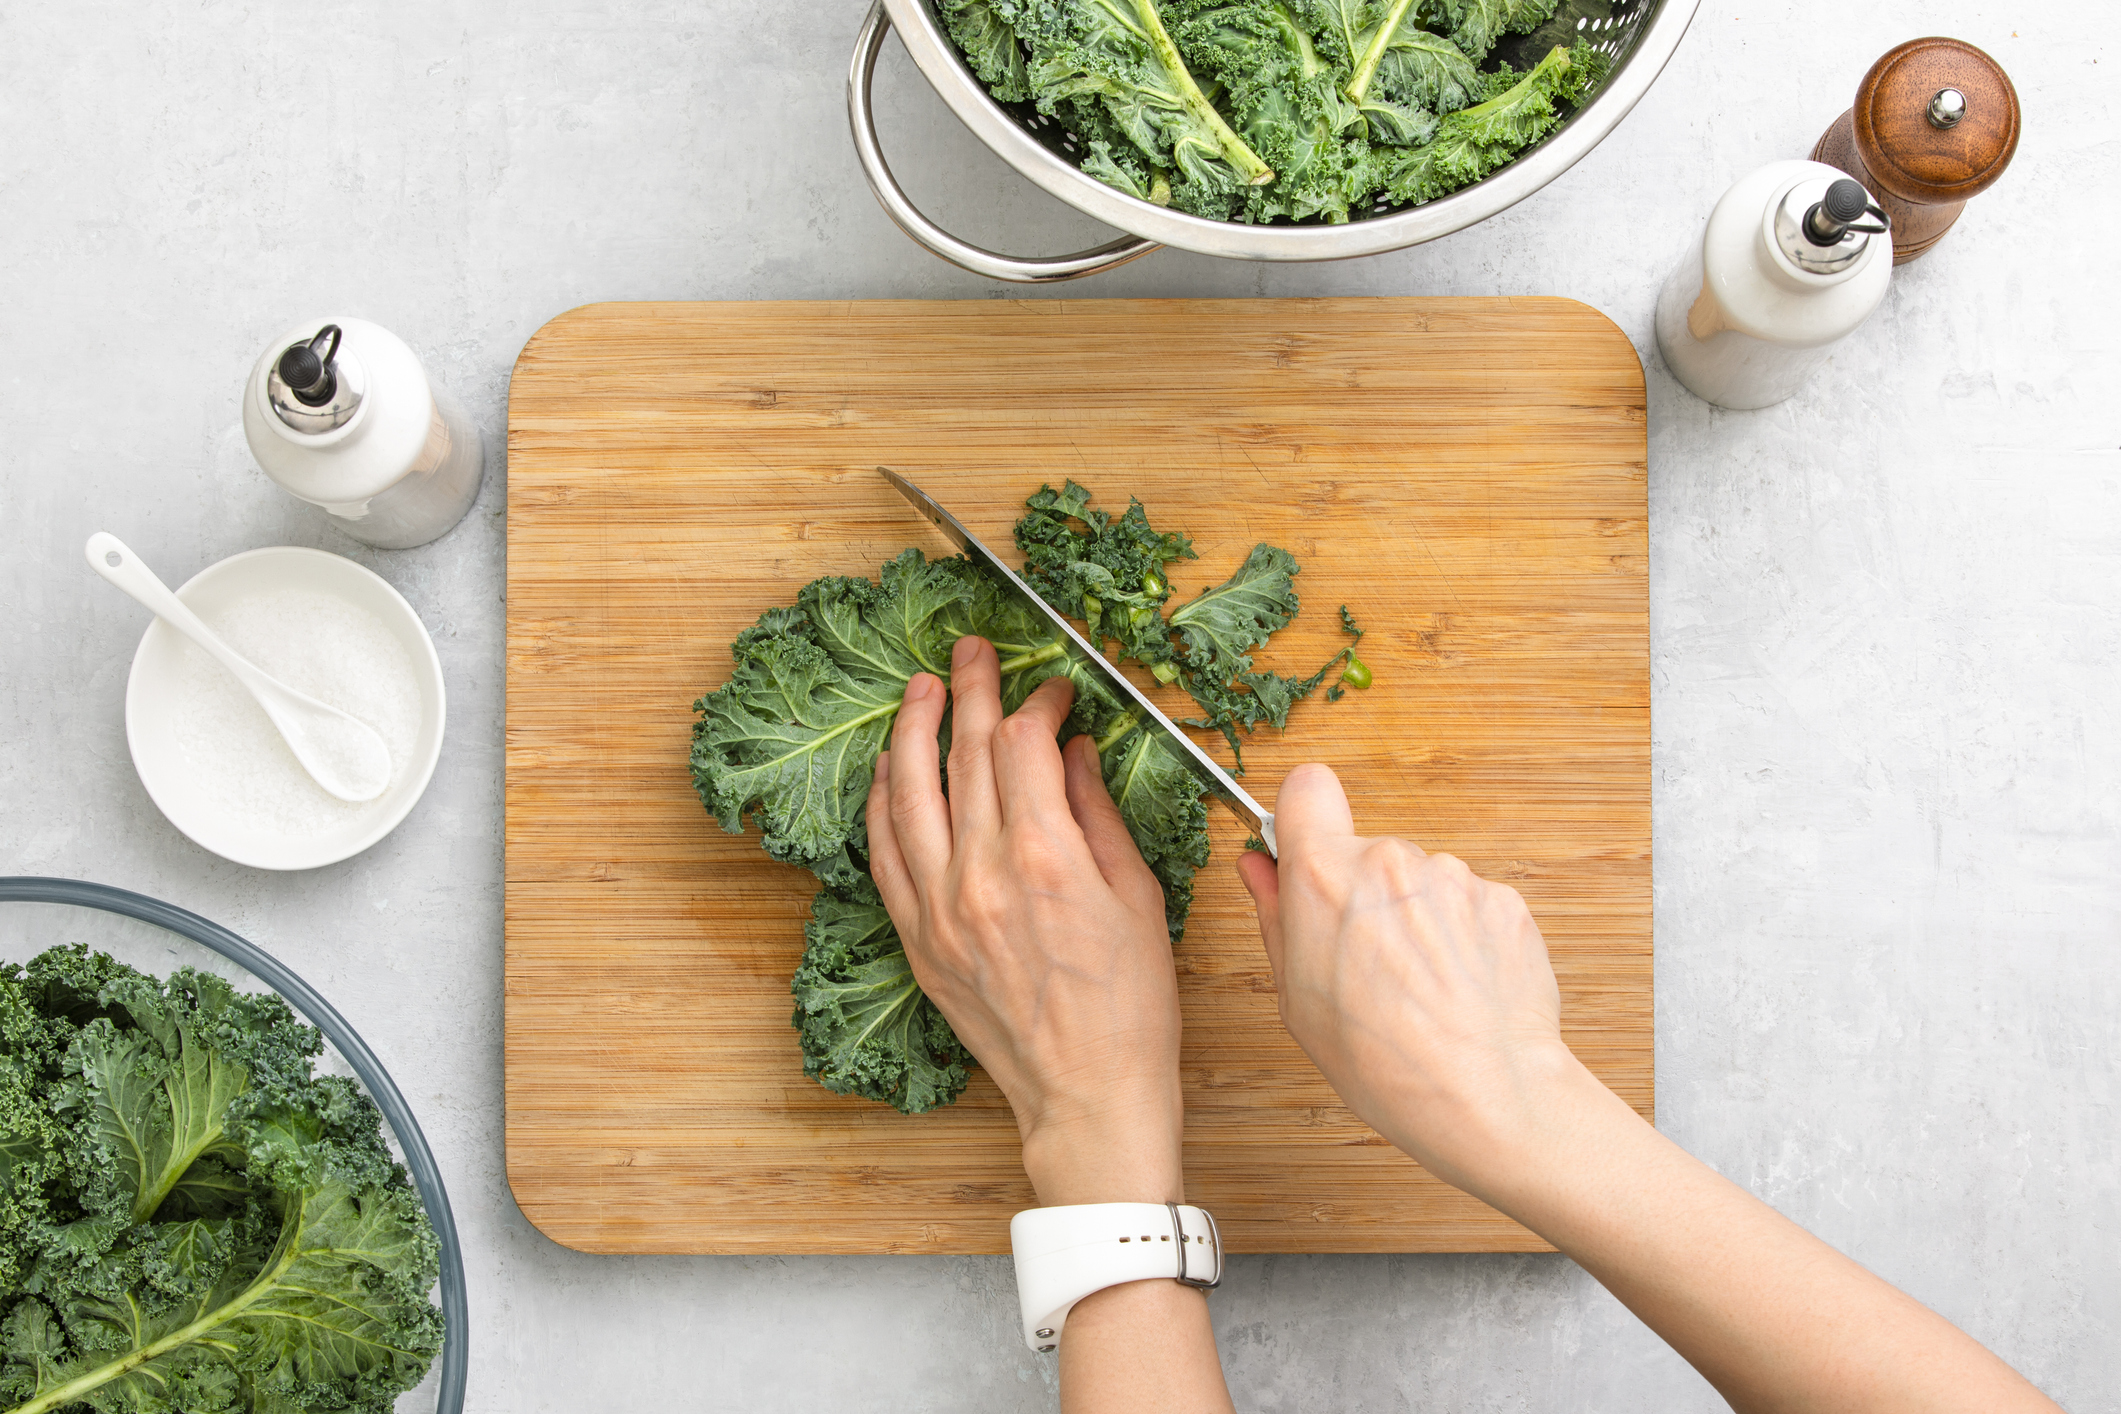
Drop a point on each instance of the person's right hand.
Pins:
(1425, 995)
(1421, 991)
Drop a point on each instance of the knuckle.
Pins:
(986, 905)
(1312, 872)
(1511, 907)
(1037, 861)
(1020, 731)
(1450, 868)
(1399, 864)
(905, 805)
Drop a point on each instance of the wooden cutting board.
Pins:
(1467, 475)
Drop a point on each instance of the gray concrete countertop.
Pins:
(1886, 636)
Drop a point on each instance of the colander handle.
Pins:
(1037, 270)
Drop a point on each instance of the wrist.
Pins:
(1549, 1106)
(1107, 1159)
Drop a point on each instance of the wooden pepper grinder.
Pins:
(1935, 122)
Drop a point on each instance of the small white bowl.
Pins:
(160, 760)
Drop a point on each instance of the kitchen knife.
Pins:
(1213, 778)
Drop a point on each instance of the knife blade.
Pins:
(1213, 778)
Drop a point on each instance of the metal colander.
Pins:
(1639, 35)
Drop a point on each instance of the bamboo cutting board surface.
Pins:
(1467, 475)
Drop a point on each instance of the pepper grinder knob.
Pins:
(1935, 122)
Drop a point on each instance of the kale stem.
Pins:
(1557, 58)
(1121, 730)
(1032, 659)
(1255, 172)
(156, 1188)
(1366, 65)
(263, 1285)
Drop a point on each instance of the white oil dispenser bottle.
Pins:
(1794, 258)
(340, 414)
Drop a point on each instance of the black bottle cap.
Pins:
(1845, 204)
(307, 373)
(1846, 201)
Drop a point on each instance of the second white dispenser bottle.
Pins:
(1794, 258)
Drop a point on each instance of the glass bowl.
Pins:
(159, 938)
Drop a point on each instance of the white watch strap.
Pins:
(1064, 1254)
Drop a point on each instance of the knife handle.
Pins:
(1261, 821)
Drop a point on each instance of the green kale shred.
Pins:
(1278, 110)
(790, 742)
(1112, 574)
(191, 1219)
(1354, 672)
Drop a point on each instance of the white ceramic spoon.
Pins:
(342, 753)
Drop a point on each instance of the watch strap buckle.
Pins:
(1214, 1243)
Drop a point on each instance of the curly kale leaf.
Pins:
(1232, 620)
(154, 1112)
(793, 736)
(1117, 165)
(1286, 99)
(42, 1008)
(1217, 632)
(1221, 626)
(989, 46)
(1406, 76)
(1160, 799)
(1339, 28)
(314, 1309)
(1267, 696)
(1475, 25)
(791, 739)
(1396, 74)
(1118, 54)
(196, 1221)
(1474, 141)
(866, 1027)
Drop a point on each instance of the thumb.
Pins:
(1263, 882)
(1311, 809)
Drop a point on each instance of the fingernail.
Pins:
(961, 652)
(919, 686)
(883, 767)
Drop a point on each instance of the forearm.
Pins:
(1770, 1315)
(1145, 1347)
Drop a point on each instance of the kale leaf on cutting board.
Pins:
(790, 742)
(1266, 110)
(190, 1218)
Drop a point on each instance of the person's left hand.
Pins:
(1032, 922)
